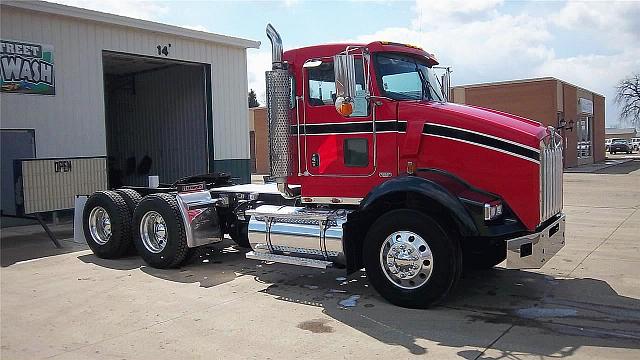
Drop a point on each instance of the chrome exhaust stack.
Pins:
(278, 89)
(276, 47)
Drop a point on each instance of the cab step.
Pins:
(291, 260)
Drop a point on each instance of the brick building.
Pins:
(259, 140)
(578, 112)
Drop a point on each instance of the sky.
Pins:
(592, 44)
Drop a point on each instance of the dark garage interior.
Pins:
(156, 118)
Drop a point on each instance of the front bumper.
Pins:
(534, 250)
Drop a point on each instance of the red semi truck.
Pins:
(373, 169)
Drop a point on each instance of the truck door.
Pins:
(335, 145)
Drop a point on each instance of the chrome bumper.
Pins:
(534, 250)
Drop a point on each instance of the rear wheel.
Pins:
(132, 198)
(410, 260)
(107, 224)
(160, 236)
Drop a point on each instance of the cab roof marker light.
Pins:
(399, 44)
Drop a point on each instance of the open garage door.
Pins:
(156, 118)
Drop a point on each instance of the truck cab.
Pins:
(366, 129)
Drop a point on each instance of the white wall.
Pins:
(71, 123)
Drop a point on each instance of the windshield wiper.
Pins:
(433, 94)
(423, 80)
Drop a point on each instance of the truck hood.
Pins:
(485, 121)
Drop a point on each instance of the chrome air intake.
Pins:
(551, 171)
(278, 111)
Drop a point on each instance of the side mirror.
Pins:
(446, 84)
(445, 81)
(345, 77)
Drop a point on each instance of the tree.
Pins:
(628, 98)
(253, 101)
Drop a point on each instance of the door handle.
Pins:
(315, 160)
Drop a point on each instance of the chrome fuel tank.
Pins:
(298, 231)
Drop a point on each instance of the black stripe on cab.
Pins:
(431, 129)
(347, 128)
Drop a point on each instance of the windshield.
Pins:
(403, 77)
(619, 141)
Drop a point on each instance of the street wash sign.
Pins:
(27, 68)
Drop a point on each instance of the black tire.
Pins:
(131, 197)
(447, 260)
(239, 232)
(175, 250)
(486, 258)
(119, 241)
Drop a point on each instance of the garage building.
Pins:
(153, 99)
(577, 112)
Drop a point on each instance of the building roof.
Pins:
(619, 131)
(522, 81)
(84, 14)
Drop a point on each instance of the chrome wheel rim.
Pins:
(100, 225)
(153, 231)
(406, 260)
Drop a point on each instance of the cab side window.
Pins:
(322, 87)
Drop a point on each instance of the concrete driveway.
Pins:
(585, 303)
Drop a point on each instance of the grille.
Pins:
(278, 97)
(550, 177)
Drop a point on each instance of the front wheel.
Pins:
(410, 260)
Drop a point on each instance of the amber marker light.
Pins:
(411, 168)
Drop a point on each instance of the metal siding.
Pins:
(74, 119)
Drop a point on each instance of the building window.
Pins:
(584, 135)
(356, 152)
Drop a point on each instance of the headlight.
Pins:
(492, 210)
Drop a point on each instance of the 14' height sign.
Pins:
(27, 68)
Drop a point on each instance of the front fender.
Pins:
(427, 188)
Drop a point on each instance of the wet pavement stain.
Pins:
(316, 326)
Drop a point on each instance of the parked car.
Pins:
(607, 144)
(620, 145)
(635, 143)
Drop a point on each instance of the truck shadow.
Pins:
(567, 313)
(208, 265)
(530, 313)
